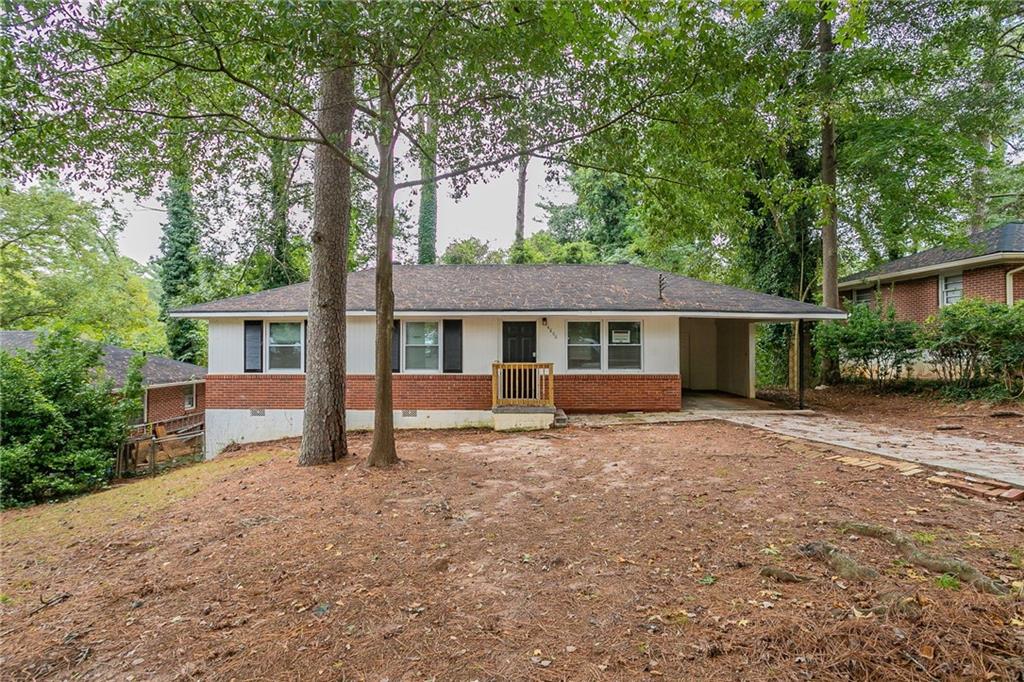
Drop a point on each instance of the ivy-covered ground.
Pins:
(616, 553)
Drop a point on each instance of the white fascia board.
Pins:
(435, 314)
(913, 273)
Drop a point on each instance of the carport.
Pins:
(717, 356)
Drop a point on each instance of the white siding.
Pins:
(481, 343)
(735, 357)
(360, 338)
(698, 351)
(226, 346)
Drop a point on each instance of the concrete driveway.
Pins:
(999, 461)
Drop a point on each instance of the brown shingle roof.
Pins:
(116, 361)
(515, 288)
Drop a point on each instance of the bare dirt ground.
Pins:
(862, 403)
(616, 553)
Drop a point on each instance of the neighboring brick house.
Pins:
(918, 285)
(490, 345)
(173, 389)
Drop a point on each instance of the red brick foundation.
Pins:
(618, 392)
(573, 392)
(168, 402)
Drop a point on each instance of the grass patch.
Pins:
(947, 582)
(708, 580)
(60, 521)
(923, 537)
(1017, 558)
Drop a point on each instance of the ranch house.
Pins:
(502, 346)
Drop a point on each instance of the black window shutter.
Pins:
(305, 343)
(253, 345)
(396, 347)
(453, 346)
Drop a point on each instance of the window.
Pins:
(284, 346)
(952, 289)
(584, 340)
(190, 396)
(422, 346)
(624, 345)
(864, 296)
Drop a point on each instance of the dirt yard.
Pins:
(1002, 422)
(605, 554)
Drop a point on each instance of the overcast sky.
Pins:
(487, 212)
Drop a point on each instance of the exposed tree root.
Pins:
(895, 604)
(782, 575)
(841, 564)
(911, 553)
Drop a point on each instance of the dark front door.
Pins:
(519, 342)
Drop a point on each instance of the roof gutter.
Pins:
(928, 269)
(1009, 284)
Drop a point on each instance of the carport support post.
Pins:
(800, 361)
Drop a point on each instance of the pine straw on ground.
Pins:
(617, 553)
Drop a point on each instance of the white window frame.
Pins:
(440, 347)
(605, 343)
(190, 397)
(302, 347)
(608, 344)
(942, 287)
(600, 347)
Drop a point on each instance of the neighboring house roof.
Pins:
(116, 360)
(525, 288)
(1006, 239)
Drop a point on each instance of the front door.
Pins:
(519, 342)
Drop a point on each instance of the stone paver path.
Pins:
(999, 461)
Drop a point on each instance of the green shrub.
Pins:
(871, 344)
(772, 354)
(61, 424)
(978, 347)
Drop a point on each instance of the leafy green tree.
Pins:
(59, 268)
(179, 252)
(602, 214)
(61, 433)
(470, 251)
(541, 247)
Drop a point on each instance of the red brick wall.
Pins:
(573, 392)
(168, 402)
(618, 392)
(990, 283)
(914, 299)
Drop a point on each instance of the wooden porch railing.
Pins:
(528, 384)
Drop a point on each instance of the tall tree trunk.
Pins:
(427, 254)
(382, 451)
(323, 429)
(524, 162)
(280, 270)
(830, 219)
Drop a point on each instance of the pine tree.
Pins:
(179, 247)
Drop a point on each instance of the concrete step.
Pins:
(561, 420)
